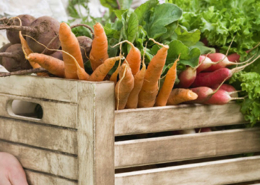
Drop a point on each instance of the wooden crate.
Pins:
(74, 142)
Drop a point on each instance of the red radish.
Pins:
(228, 88)
(203, 93)
(233, 57)
(187, 77)
(204, 63)
(220, 97)
(221, 61)
(210, 79)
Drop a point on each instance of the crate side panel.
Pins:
(216, 172)
(53, 138)
(35, 178)
(40, 87)
(186, 147)
(182, 117)
(43, 160)
(96, 133)
(54, 113)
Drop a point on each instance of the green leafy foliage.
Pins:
(250, 85)
(219, 21)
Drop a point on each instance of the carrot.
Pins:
(98, 53)
(27, 51)
(180, 95)
(132, 101)
(168, 84)
(100, 73)
(113, 77)
(133, 57)
(147, 95)
(53, 65)
(70, 44)
(124, 86)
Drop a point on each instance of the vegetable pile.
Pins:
(153, 54)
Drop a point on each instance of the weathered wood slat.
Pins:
(217, 172)
(54, 113)
(40, 87)
(96, 133)
(181, 117)
(53, 138)
(35, 178)
(185, 147)
(42, 160)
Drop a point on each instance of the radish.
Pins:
(13, 35)
(204, 63)
(220, 60)
(220, 97)
(187, 77)
(210, 79)
(44, 29)
(233, 57)
(14, 59)
(228, 88)
(203, 93)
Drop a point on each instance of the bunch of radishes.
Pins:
(207, 79)
(41, 35)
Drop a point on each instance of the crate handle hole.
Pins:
(25, 109)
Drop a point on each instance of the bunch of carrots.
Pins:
(135, 84)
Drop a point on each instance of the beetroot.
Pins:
(13, 58)
(13, 35)
(44, 29)
(85, 46)
(2, 49)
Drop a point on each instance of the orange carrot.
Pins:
(70, 44)
(98, 53)
(113, 77)
(180, 95)
(150, 87)
(132, 101)
(27, 51)
(124, 86)
(100, 73)
(133, 57)
(53, 65)
(168, 84)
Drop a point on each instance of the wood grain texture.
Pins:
(42, 160)
(96, 133)
(186, 147)
(181, 117)
(40, 87)
(54, 113)
(53, 138)
(217, 172)
(35, 178)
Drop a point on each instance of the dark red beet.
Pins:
(14, 59)
(2, 49)
(85, 46)
(44, 29)
(13, 35)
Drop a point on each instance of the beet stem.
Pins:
(23, 72)
(19, 28)
(8, 54)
